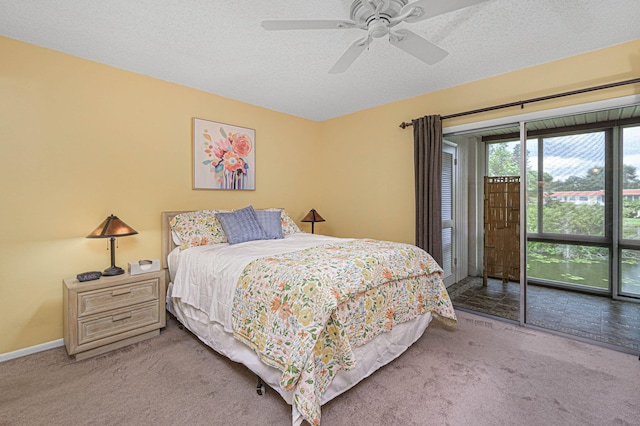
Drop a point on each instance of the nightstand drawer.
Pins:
(117, 321)
(96, 301)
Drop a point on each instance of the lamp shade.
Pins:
(312, 217)
(112, 227)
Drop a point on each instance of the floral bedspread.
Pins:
(303, 312)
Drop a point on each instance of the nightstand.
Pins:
(112, 312)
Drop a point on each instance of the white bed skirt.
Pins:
(378, 352)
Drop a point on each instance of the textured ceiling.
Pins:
(219, 46)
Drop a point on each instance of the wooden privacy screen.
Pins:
(501, 228)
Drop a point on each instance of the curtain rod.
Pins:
(404, 125)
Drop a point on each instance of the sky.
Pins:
(574, 155)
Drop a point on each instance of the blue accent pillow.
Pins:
(241, 225)
(271, 223)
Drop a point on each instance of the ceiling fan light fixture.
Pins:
(378, 27)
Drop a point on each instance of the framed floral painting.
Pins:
(223, 156)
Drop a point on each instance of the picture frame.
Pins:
(223, 156)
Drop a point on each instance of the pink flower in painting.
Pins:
(232, 161)
(222, 146)
(241, 143)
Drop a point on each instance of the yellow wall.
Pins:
(80, 140)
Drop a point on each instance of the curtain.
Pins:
(427, 143)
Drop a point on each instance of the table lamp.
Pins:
(112, 227)
(312, 217)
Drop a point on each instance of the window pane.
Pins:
(631, 183)
(570, 264)
(574, 191)
(504, 159)
(630, 272)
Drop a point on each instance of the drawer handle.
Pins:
(121, 317)
(121, 292)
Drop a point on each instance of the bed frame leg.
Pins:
(260, 389)
(170, 315)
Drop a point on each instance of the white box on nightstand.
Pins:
(144, 266)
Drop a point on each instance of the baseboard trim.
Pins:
(31, 350)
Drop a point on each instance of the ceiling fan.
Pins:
(377, 18)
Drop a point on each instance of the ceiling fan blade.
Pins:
(430, 8)
(416, 46)
(351, 54)
(307, 25)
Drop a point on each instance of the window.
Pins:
(569, 237)
(503, 158)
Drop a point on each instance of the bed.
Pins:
(310, 315)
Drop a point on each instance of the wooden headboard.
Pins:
(167, 240)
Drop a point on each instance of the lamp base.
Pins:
(113, 270)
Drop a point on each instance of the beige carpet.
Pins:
(481, 372)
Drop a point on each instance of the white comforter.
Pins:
(209, 285)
